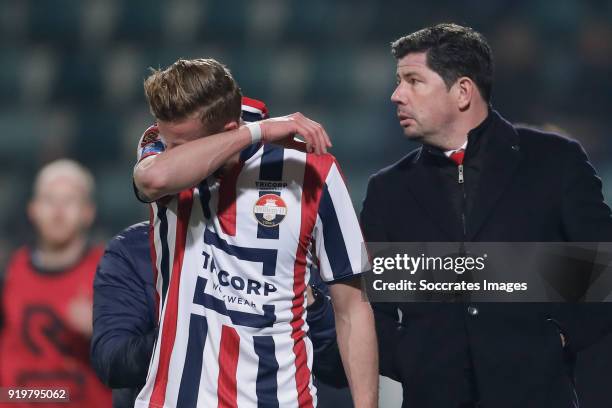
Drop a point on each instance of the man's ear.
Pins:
(466, 91)
(233, 125)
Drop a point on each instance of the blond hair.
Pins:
(66, 168)
(199, 86)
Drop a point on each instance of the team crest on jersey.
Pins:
(270, 210)
(150, 135)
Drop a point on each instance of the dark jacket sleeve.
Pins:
(124, 329)
(586, 218)
(386, 315)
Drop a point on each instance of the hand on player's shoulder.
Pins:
(284, 128)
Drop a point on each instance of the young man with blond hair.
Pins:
(238, 223)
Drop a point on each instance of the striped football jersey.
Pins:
(232, 257)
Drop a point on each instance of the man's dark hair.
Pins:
(452, 51)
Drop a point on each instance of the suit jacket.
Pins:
(532, 187)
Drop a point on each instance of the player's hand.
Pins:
(315, 136)
(310, 299)
(563, 342)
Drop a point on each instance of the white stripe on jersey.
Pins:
(348, 223)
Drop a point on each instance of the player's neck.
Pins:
(59, 257)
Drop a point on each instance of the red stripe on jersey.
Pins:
(227, 200)
(315, 173)
(153, 257)
(158, 395)
(227, 391)
(254, 103)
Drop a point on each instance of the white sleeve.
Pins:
(150, 144)
(339, 242)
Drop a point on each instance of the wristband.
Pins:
(255, 130)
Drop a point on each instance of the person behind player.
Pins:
(232, 250)
(47, 293)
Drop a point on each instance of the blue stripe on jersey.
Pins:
(204, 198)
(192, 371)
(250, 116)
(249, 151)
(238, 318)
(267, 386)
(333, 238)
(270, 169)
(165, 255)
(265, 256)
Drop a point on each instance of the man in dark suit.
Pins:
(476, 177)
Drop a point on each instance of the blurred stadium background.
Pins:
(72, 71)
(71, 79)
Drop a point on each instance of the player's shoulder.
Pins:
(150, 143)
(253, 110)
(322, 164)
(150, 135)
(131, 239)
(316, 168)
(134, 233)
(127, 256)
(296, 151)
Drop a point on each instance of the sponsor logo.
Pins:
(270, 185)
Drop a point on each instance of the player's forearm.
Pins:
(187, 165)
(357, 343)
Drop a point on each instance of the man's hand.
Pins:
(562, 340)
(282, 130)
(309, 296)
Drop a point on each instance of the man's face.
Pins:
(425, 107)
(61, 210)
(181, 131)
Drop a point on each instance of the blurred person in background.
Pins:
(46, 296)
(478, 178)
